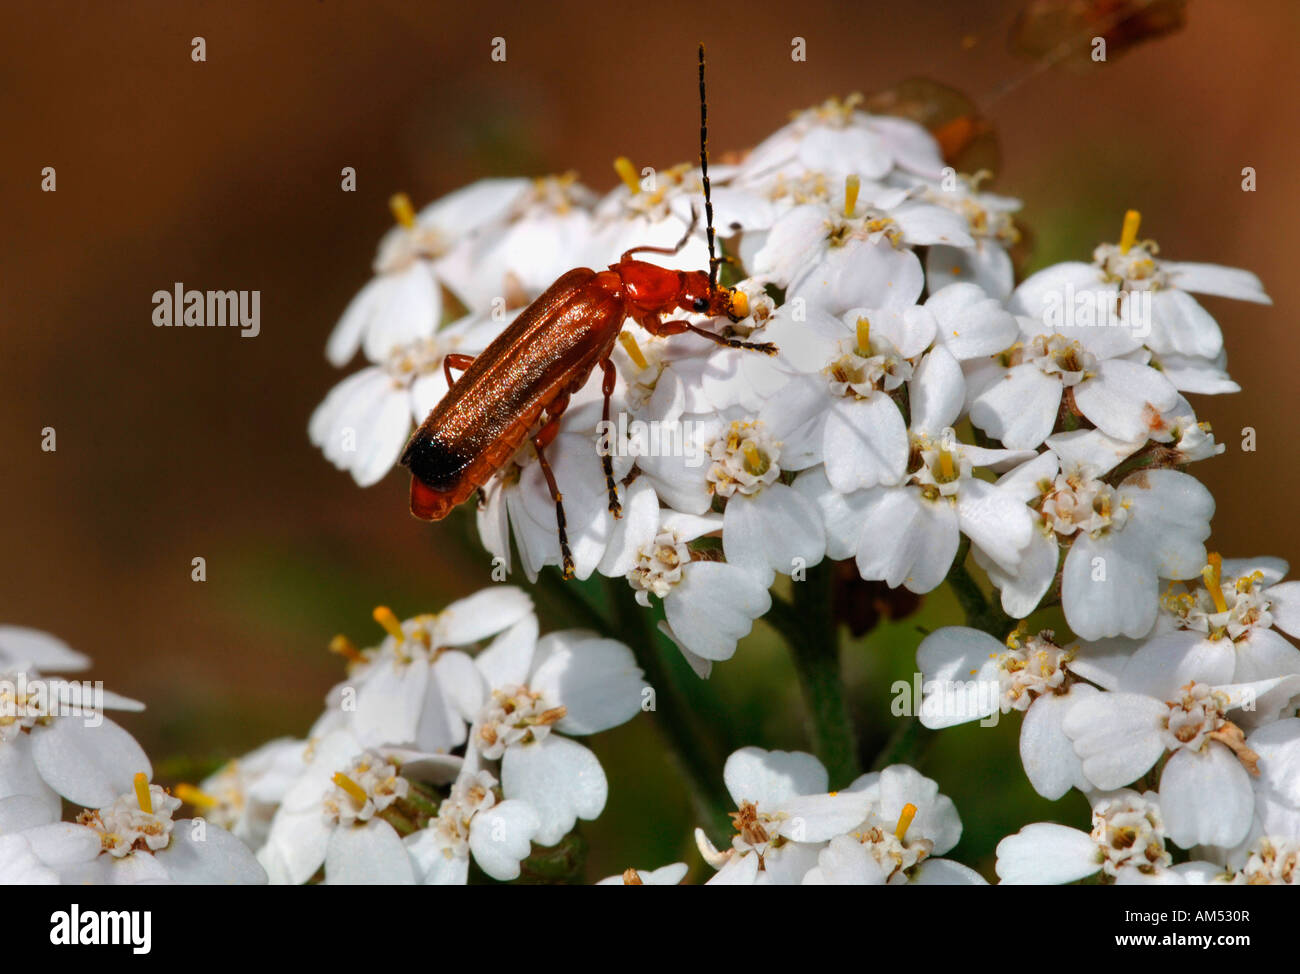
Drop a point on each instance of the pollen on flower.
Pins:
(1273, 862)
(409, 241)
(127, 826)
(627, 172)
(367, 786)
(516, 715)
(1130, 833)
(424, 356)
(385, 617)
(866, 364)
(654, 205)
(852, 186)
(1231, 608)
(985, 221)
(744, 460)
(895, 854)
(1054, 355)
(808, 187)
(752, 827)
(1130, 264)
(223, 800)
(403, 211)
(834, 112)
(1078, 503)
(941, 468)
(659, 566)
(1033, 668)
(469, 797)
(19, 712)
(1194, 717)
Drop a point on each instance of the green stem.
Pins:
(692, 750)
(809, 630)
(907, 745)
(981, 613)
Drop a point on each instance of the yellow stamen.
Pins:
(946, 467)
(864, 336)
(852, 185)
(627, 172)
(403, 211)
(1247, 582)
(1212, 574)
(1128, 237)
(754, 461)
(344, 647)
(384, 616)
(199, 799)
(905, 821)
(740, 304)
(354, 790)
(142, 795)
(628, 341)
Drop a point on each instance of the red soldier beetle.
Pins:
(527, 374)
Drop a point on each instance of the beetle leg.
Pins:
(606, 462)
(461, 362)
(654, 326)
(544, 436)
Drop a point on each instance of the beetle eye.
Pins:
(701, 304)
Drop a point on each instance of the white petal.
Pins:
(864, 443)
(714, 606)
(995, 520)
(960, 670)
(1172, 511)
(89, 766)
(845, 862)
(482, 614)
(596, 680)
(1206, 797)
(502, 836)
(209, 855)
(560, 779)
(368, 855)
(1117, 736)
(1123, 396)
(1020, 408)
(972, 324)
(1047, 753)
(768, 778)
(1046, 853)
(19, 644)
(776, 530)
(937, 392)
(1228, 282)
(509, 659)
(945, 872)
(1108, 586)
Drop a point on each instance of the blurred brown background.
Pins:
(175, 443)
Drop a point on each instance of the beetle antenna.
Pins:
(704, 174)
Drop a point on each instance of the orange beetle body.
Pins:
(532, 368)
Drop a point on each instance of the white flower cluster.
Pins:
(375, 795)
(56, 745)
(885, 282)
(921, 405)
(887, 828)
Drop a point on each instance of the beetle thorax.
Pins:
(649, 286)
